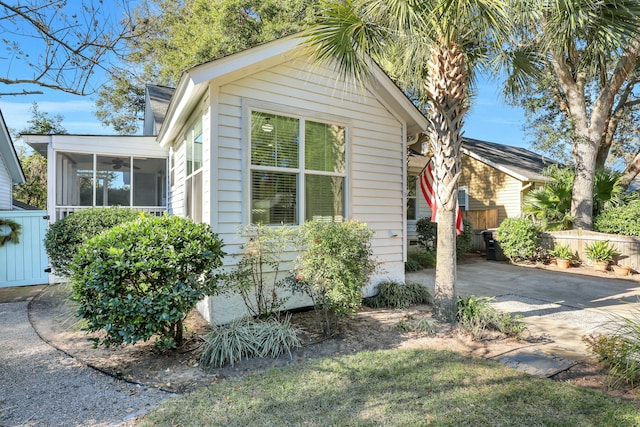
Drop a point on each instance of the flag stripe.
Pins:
(428, 187)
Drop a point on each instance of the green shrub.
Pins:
(65, 236)
(422, 259)
(141, 278)
(620, 220)
(475, 315)
(257, 275)
(428, 236)
(333, 265)
(518, 238)
(601, 251)
(247, 338)
(391, 294)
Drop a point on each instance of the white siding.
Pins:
(5, 186)
(376, 153)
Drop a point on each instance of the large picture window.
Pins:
(297, 170)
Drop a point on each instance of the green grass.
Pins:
(394, 388)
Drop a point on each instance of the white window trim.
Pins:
(466, 196)
(248, 106)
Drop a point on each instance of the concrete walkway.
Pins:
(561, 306)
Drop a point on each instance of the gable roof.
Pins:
(8, 153)
(522, 164)
(518, 162)
(194, 82)
(157, 99)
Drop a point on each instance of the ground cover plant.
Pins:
(476, 315)
(393, 388)
(140, 279)
(392, 294)
(65, 236)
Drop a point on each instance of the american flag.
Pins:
(428, 187)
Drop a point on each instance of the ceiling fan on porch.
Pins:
(117, 163)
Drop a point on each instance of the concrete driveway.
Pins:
(556, 304)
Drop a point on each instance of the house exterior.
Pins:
(494, 181)
(268, 135)
(10, 170)
(102, 170)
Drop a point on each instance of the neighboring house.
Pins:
(10, 170)
(495, 178)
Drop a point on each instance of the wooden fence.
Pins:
(628, 246)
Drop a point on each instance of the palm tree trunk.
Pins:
(447, 94)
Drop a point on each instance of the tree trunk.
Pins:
(631, 171)
(447, 94)
(444, 297)
(584, 157)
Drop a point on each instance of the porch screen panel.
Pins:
(74, 179)
(149, 182)
(113, 181)
(273, 198)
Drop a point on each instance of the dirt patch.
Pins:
(179, 371)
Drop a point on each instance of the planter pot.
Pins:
(621, 270)
(600, 265)
(563, 263)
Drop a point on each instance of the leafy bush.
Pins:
(398, 295)
(141, 278)
(334, 264)
(420, 259)
(600, 251)
(257, 275)
(65, 236)
(518, 238)
(246, 338)
(620, 220)
(428, 236)
(475, 315)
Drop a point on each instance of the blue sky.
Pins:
(489, 119)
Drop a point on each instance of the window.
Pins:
(463, 198)
(193, 139)
(412, 182)
(297, 170)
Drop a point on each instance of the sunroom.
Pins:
(87, 171)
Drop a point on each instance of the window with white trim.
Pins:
(193, 190)
(412, 206)
(298, 169)
(463, 198)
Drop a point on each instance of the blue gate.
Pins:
(24, 263)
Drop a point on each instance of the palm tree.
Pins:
(590, 51)
(432, 49)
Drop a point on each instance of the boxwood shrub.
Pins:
(65, 236)
(141, 278)
(620, 220)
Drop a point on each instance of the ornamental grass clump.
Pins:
(247, 338)
(476, 315)
(140, 279)
(392, 294)
(335, 261)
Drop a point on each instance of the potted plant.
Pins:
(601, 253)
(621, 270)
(563, 254)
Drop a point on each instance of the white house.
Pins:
(265, 135)
(268, 135)
(10, 169)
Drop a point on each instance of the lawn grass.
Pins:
(394, 388)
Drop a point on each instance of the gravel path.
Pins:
(41, 386)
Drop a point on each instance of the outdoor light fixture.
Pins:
(267, 127)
